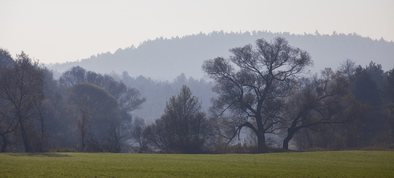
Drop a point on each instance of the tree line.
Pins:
(82, 111)
(264, 95)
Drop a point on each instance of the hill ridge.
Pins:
(185, 54)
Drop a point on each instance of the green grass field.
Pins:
(295, 164)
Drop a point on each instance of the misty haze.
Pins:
(197, 89)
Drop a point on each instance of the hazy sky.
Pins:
(61, 30)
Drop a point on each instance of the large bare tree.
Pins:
(253, 81)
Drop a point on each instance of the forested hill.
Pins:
(164, 59)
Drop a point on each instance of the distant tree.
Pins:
(56, 127)
(21, 89)
(253, 81)
(367, 88)
(367, 84)
(362, 106)
(72, 77)
(98, 118)
(138, 134)
(7, 123)
(316, 102)
(183, 127)
(390, 101)
(45, 109)
(390, 85)
(347, 69)
(6, 60)
(128, 99)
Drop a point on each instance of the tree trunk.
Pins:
(82, 128)
(286, 143)
(290, 134)
(82, 140)
(24, 137)
(42, 139)
(5, 143)
(261, 147)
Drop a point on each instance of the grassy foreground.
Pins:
(308, 164)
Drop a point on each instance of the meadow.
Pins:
(291, 164)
